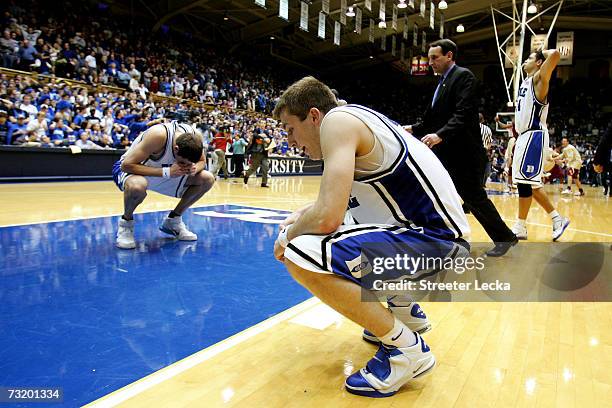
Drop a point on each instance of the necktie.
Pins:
(437, 90)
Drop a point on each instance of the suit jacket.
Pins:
(454, 118)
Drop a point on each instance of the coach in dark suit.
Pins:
(450, 127)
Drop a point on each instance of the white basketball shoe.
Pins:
(391, 368)
(559, 226)
(520, 230)
(176, 227)
(125, 234)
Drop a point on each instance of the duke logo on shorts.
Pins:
(532, 142)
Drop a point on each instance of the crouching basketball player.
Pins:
(166, 158)
(397, 191)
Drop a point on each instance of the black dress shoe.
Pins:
(265, 185)
(501, 248)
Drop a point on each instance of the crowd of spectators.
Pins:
(58, 114)
(151, 77)
(134, 67)
(109, 49)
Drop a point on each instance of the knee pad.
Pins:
(524, 190)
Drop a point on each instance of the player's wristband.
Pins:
(166, 172)
(282, 237)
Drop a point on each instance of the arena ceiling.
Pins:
(241, 23)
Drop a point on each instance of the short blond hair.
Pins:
(303, 95)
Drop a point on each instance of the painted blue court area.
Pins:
(80, 314)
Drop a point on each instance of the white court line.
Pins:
(131, 390)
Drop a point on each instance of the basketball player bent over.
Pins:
(397, 191)
(166, 158)
(532, 142)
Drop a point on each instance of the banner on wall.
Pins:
(565, 45)
(394, 18)
(283, 9)
(304, 16)
(343, 12)
(420, 66)
(358, 20)
(261, 3)
(337, 26)
(511, 53)
(382, 14)
(325, 6)
(537, 42)
(321, 30)
(432, 15)
(279, 165)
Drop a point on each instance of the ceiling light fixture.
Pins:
(382, 24)
(460, 28)
(350, 12)
(402, 4)
(442, 5)
(532, 9)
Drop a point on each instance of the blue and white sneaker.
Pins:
(391, 368)
(411, 315)
(559, 227)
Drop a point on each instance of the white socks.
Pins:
(400, 336)
(554, 215)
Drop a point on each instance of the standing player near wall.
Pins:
(532, 142)
(573, 162)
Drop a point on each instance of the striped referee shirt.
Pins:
(487, 136)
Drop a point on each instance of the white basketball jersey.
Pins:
(167, 157)
(410, 188)
(530, 114)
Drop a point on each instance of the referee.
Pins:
(450, 128)
(487, 141)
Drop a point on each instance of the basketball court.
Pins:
(219, 321)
